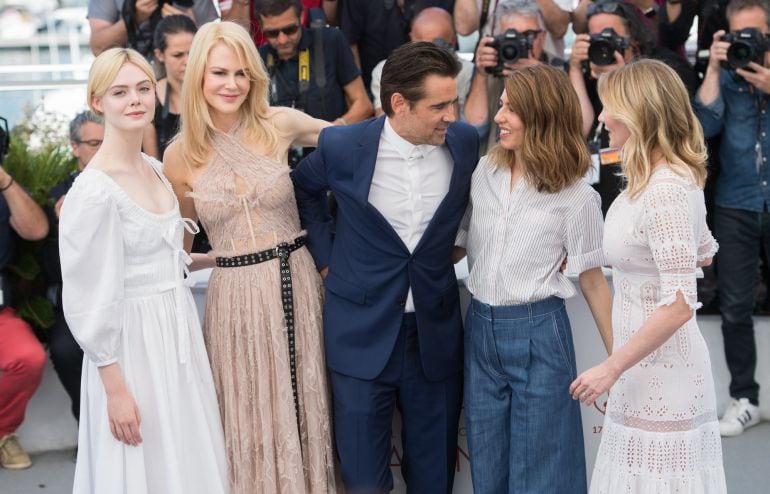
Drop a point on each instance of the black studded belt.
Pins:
(280, 251)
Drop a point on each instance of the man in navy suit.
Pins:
(392, 325)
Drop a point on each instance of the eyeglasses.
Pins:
(287, 30)
(605, 8)
(94, 143)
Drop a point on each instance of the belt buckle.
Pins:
(282, 250)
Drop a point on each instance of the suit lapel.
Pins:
(455, 153)
(365, 160)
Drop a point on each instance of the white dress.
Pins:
(660, 432)
(125, 301)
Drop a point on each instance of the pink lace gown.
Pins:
(660, 433)
(246, 204)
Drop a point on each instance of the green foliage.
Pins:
(38, 168)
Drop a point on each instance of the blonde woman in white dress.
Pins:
(149, 421)
(660, 432)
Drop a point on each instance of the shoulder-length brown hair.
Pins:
(649, 98)
(553, 152)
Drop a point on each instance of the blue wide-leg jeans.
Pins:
(524, 429)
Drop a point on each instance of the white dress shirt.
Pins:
(408, 184)
(517, 238)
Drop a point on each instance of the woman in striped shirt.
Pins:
(529, 209)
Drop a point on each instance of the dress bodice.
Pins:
(245, 200)
(658, 237)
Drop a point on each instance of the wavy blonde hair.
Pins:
(554, 153)
(197, 127)
(649, 98)
(105, 69)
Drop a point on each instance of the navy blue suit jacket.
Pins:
(370, 268)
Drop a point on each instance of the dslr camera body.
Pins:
(511, 46)
(746, 46)
(603, 45)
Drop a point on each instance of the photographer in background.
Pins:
(311, 69)
(617, 34)
(435, 25)
(21, 355)
(115, 23)
(520, 44)
(733, 100)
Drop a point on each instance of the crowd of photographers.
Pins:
(325, 58)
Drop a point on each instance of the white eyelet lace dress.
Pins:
(660, 433)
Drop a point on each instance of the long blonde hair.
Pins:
(554, 152)
(105, 69)
(649, 98)
(197, 127)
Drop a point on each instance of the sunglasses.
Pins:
(287, 30)
(605, 8)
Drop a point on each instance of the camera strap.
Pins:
(303, 73)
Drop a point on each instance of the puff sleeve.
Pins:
(91, 250)
(669, 227)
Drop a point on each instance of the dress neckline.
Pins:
(120, 190)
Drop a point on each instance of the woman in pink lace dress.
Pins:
(263, 314)
(660, 433)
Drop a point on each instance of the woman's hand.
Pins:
(124, 417)
(592, 383)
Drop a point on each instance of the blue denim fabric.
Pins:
(524, 429)
(737, 114)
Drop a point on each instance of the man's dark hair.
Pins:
(169, 26)
(637, 25)
(272, 8)
(738, 5)
(407, 67)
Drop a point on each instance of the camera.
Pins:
(746, 46)
(602, 46)
(511, 46)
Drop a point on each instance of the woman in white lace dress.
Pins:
(149, 421)
(660, 433)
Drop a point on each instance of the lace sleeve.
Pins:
(707, 246)
(668, 226)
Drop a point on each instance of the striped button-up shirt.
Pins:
(517, 237)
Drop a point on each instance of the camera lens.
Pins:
(740, 54)
(509, 53)
(601, 52)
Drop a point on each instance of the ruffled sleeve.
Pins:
(669, 229)
(91, 249)
(584, 235)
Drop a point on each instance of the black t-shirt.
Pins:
(339, 67)
(378, 27)
(7, 235)
(166, 124)
(8, 241)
